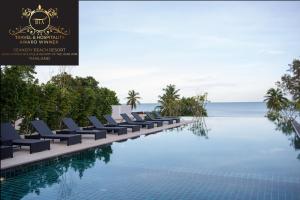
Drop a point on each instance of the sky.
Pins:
(234, 51)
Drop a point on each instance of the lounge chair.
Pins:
(9, 134)
(143, 124)
(99, 126)
(75, 129)
(6, 152)
(177, 119)
(139, 119)
(45, 132)
(113, 123)
(151, 118)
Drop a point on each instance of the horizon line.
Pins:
(215, 102)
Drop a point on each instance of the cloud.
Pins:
(272, 52)
(220, 48)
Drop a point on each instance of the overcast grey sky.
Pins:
(234, 51)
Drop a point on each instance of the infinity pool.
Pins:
(229, 158)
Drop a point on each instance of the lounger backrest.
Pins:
(41, 127)
(137, 116)
(149, 115)
(8, 132)
(110, 120)
(96, 123)
(69, 122)
(126, 117)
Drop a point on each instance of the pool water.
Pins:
(225, 158)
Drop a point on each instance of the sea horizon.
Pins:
(223, 109)
(212, 102)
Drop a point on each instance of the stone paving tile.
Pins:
(23, 156)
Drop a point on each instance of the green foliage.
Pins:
(30, 107)
(55, 104)
(14, 90)
(169, 101)
(81, 97)
(133, 98)
(289, 86)
(173, 105)
(104, 99)
(273, 115)
(297, 105)
(275, 99)
(63, 96)
(193, 106)
(187, 105)
(290, 83)
(199, 106)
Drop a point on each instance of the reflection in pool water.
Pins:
(243, 158)
(285, 126)
(47, 176)
(199, 127)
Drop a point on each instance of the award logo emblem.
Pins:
(39, 22)
(40, 32)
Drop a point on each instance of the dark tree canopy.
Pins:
(16, 83)
(24, 98)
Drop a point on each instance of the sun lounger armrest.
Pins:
(88, 128)
(65, 132)
(5, 142)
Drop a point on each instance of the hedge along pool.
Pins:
(232, 158)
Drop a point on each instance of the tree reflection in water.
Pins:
(87, 159)
(178, 129)
(65, 186)
(56, 172)
(79, 164)
(284, 125)
(198, 127)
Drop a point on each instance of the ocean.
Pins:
(228, 109)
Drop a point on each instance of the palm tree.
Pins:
(133, 98)
(169, 100)
(275, 99)
(170, 93)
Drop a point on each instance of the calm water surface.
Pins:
(229, 158)
(230, 109)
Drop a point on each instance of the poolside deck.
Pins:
(22, 156)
